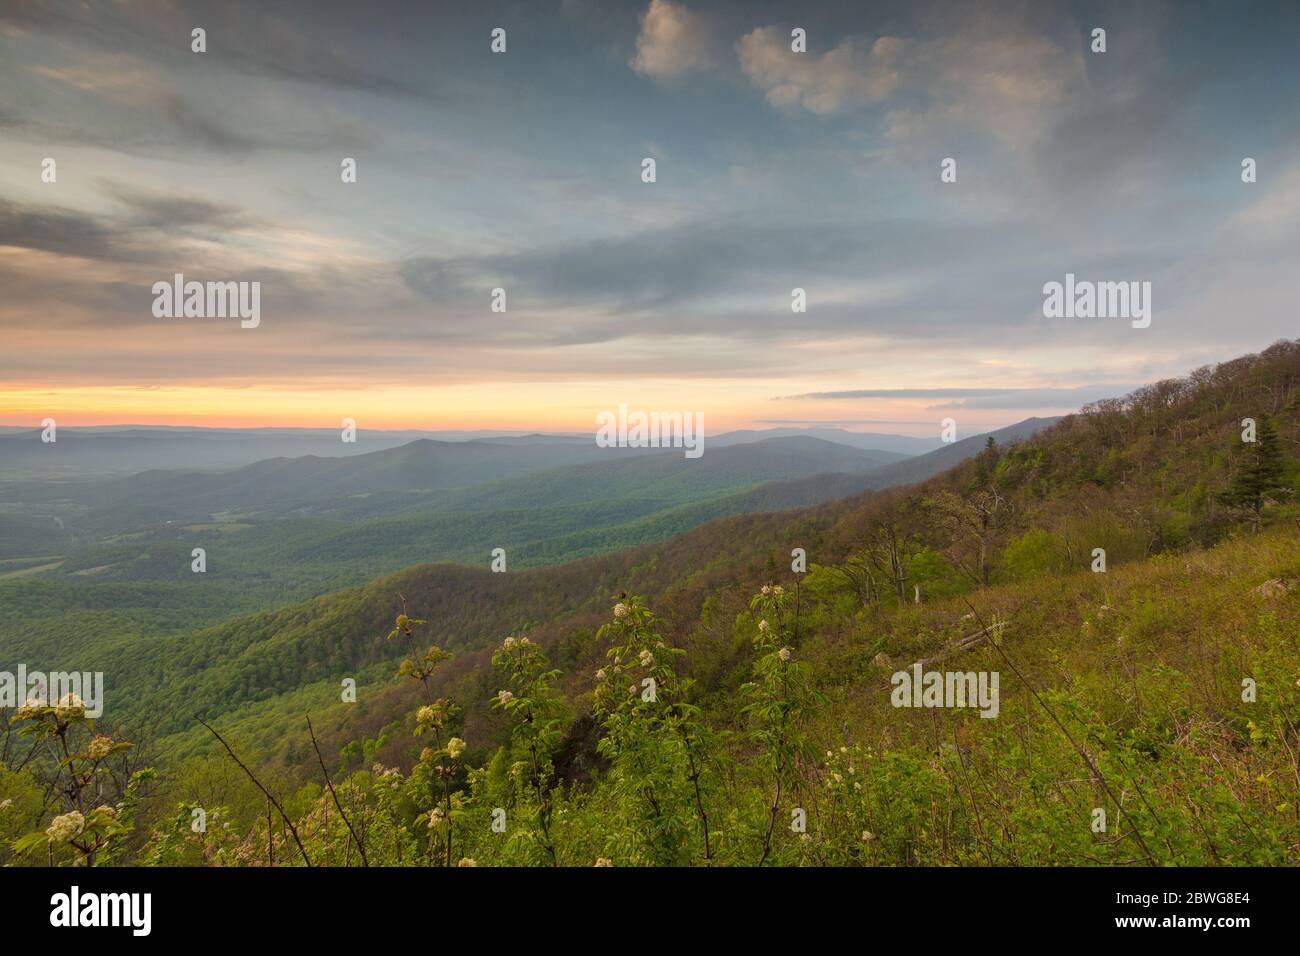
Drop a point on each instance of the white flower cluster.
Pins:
(64, 828)
(70, 705)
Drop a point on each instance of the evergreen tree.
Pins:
(1262, 477)
(985, 461)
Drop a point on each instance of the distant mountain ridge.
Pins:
(129, 449)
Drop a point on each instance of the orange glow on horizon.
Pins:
(516, 406)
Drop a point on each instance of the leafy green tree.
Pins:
(780, 699)
(535, 709)
(651, 773)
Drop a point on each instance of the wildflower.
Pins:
(767, 589)
(435, 817)
(70, 705)
(505, 696)
(604, 861)
(28, 711)
(106, 810)
(867, 836)
(425, 714)
(620, 610)
(632, 689)
(6, 804)
(600, 674)
(647, 658)
(763, 626)
(778, 590)
(64, 828)
(466, 861)
(510, 642)
(455, 747)
(784, 653)
(100, 747)
(525, 642)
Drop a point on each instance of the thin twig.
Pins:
(269, 795)
(326, 774)
(1083, 754)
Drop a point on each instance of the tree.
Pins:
(977, 517)
(891, 552)
(985, 462)
(1261, 479)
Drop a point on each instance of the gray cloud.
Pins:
(64, 232)
(165, 211)
(985, 398)
(242, 37)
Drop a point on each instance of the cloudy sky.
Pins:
(522, 170)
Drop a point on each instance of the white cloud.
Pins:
(1002, 83)
(673, 41)
(853, 73)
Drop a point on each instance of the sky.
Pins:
(522, 171)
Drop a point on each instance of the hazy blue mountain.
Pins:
(900, 444)
(100, 451)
